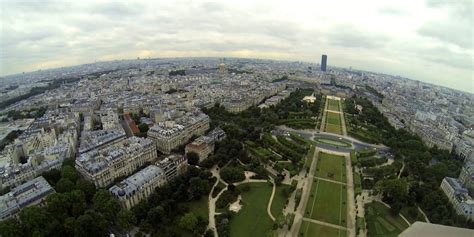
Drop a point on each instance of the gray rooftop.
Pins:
(24, 195)
(136, 181)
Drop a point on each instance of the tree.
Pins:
(143, 127)
(10, 228)
(69, 172)
(69, 225)
(37, 221)
(64, 185)
(87, 188)
(198, 187)
(77, 202)
(156, 215)
(90, 224)
(52, 176)
(104, 203)
(232, 174)
(188, 221)
(58, 205)
(193, 158)
(125, 219)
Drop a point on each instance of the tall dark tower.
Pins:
(324, 61)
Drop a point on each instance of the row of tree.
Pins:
(424, 170)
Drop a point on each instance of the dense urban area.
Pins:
(232, 147)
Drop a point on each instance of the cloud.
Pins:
(390, 10)
(351, 37)
(404, 38)
(456, 28)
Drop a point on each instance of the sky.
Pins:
(426, 40)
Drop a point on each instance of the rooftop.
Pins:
(136, 181)
(98, 159)
(24, 195)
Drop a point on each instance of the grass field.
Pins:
(333, 123)
(381, 223)
(333, 105)
(199, 207)
(253, 219)
(309, 229)
(331, 167)
(333, 142)
(279, 200)
(327, 202)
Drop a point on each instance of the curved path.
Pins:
(212, 201)
(269, 206)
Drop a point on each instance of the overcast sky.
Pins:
(430, 41)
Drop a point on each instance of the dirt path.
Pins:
(343, 120)
(424, 215)
(323, 119)
(332, 181)
(306, 185)
(325, 223)
(269, 206)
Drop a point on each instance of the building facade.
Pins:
(459, 197)
(33, 192)
(103, 166)
(324, 61)
(173, 166)
(169, 135)
(138, 186)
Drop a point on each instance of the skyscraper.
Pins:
(324, 60)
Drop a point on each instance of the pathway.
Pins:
(325, 223)
(269, 206)
(401, 170)
(332, 181)
(343, 120)
(323, 119)
(424, 215)
(306, 185)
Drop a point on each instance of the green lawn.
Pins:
(333, 123)
(331, 167)
(381, 223)
(333, 105)
(199, 207)
(253, 219)
(333, 142)
(309, 229)
(279, 200)
(327, 202)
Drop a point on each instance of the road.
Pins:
(313, 135)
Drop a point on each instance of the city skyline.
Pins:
(430, 41)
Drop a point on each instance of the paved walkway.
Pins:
(424, 215)
(306, 185)
(323, 119)
(332, 181)
(343, 120)
(325, 223)
(269, 206)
